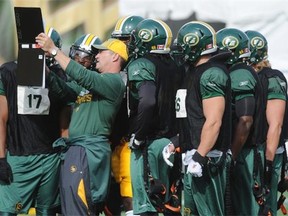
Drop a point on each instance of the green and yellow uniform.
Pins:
(85, 172)
(275, 86)
(147, 123)
(247, 171)
(205, 195)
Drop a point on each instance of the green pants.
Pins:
(159, 170)
(35, 181)
(272, 197)
(242, 183)
(205, 195)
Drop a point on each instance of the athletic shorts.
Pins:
(35, 181)
(120, 165)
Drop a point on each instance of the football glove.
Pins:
(166, 153)
(268, 173)
(134, 143)
(194, 168)
(5, 171)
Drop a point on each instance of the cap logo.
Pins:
(145, 34)
(230, 42)
(191, 39)
(257, 42)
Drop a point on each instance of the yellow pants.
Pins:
(121, 168)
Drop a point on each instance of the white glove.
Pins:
(194, 168)
(188, 157)
(166, 153)
(134, 143)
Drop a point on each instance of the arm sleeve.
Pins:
(145, 108)
(245, 107)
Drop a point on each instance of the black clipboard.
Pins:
(31, 58)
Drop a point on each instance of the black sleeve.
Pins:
(147, 102)
(245, 107)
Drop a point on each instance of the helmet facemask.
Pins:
(81, 51)
(177, 53)
(133, 46)
(87, 59)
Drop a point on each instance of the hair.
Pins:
(263, 64)
(123, 63)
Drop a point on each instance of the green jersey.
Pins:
(213, 83)
(276, 88)
(242, 84)
(97, 103)
(140, 70)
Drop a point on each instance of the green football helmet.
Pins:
(258, 46)
(234, 40)
(125, 26)
(82, 51)
(151, 36)
(196, 39)
(56, 38)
